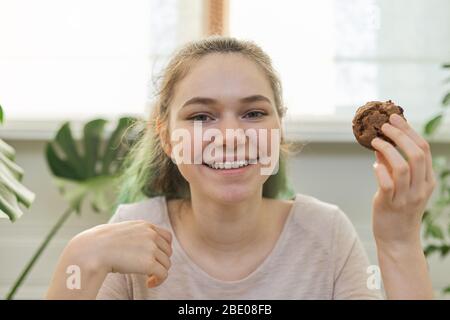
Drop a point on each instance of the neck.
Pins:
(226, 228)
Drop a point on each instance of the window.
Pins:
(77, 59)
(335, 55)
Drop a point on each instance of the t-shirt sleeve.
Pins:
(115, 285)
(351, 269)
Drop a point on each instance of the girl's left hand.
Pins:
(404, 185)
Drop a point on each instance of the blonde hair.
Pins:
(147, 170)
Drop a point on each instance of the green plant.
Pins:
(83, 169)
(12, 192)
(436, 219)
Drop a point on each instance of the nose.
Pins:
(234, 138)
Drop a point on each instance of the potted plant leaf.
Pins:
(12, 192)
(436, 219)
(84, 169)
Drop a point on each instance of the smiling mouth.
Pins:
(227, 165)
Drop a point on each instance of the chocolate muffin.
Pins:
(368, 121)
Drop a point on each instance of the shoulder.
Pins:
(151, 209)
(320, 219)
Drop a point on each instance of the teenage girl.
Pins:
(220, 229)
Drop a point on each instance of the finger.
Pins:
(158, 272)
(416, 156)
(151, 281)
(384, 180)
(400, 123)
(162, 258)
(166, 234)
(381, 159)
(164, 245)
(154, 281)
(378, 156)
(400, 168)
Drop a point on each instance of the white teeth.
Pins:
(229, 164)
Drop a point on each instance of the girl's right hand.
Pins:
(137, 246)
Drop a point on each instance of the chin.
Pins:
(231, 194)
(224, 186)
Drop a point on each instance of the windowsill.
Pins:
(310, 129)
(338, 129)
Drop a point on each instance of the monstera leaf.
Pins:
(82, 169)
(12, 192)
(88, 168)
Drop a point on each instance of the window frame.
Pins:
(302, 128)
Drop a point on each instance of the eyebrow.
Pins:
(210, 101)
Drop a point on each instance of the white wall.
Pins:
(340, 173)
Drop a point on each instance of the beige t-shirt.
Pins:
(318, 255)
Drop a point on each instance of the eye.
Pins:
(254, 114)
(200, 117)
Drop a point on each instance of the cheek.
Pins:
(187, 171)
(183, 147)
(269, 140)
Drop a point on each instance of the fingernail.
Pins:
(384, 126)
(396, 119)
(151, 282)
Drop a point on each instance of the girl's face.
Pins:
(220, 93)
